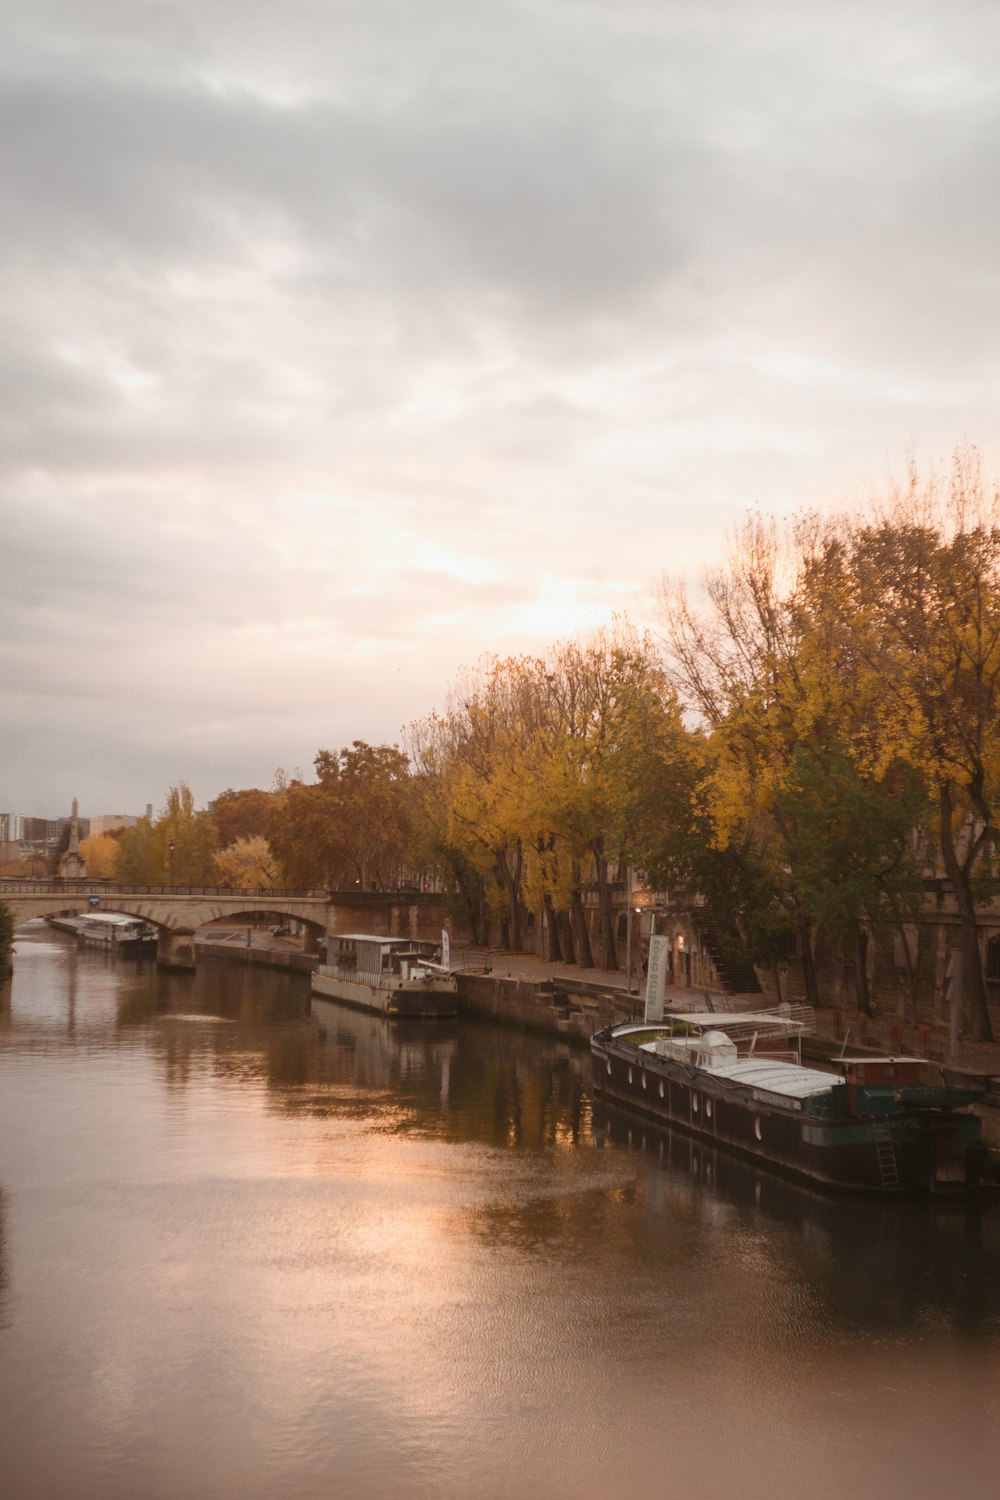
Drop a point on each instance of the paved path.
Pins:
(978, 1057)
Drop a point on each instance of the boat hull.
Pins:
(914, 1151)
(412, 1001)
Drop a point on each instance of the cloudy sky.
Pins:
(347, 340)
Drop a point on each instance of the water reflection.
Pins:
(4, 1263)
(262, 1250)
(882, 1266)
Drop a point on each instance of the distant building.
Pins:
(11, 828)
(112, 822)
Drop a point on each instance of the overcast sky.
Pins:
(346, 341)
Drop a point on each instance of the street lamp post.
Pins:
(171, 846)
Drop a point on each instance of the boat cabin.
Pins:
(880, 1071)
(374, 960)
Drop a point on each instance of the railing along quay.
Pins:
(86, 887)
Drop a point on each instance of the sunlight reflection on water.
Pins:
(293, 1256)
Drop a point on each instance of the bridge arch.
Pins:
(176, 916)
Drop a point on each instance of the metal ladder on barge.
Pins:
(886, 1151)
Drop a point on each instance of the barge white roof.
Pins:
(742, 1022)
(787, 1080)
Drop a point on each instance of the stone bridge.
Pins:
(177, 912)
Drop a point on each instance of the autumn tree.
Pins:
(98, 852)
(352, 826)
(774, 666)
(241, 815)
(176, 849)
(619, 736)
(541, 773)
(478, 755)
(922, 583)
(247, 864)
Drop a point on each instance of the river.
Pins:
(251, 1251)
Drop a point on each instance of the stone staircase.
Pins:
(735, 976)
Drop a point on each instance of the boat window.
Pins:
(661, 1088)
(708, 1108)
(644, 1080)
(694, 1102)
(630, 1075)
(757, 1130)
(609, 1065)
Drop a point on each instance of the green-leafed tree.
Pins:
(176, 849)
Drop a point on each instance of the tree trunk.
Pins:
(581, 937)
(909, 1014)
(861, 973)
(973, 977)
(808, 966)
(510, 877)
(604, 910)
(551, 930)
(566, 935)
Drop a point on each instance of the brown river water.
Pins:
(249, 1250)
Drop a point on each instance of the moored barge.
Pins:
(737, 1080)
(110, 930)
(394, 976)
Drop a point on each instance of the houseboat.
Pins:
(395, 976)
(111, 930)
(737, 1080)
(123, 934)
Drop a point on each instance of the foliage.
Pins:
(247, 865)
(98, 852)
(241, 815)
(848, 675)
(545, 769)
(176, 849)
(6, 940)
(349, 828)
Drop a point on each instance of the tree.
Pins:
(858, 849)
(542, 770)
(350, 827)
(177, 849)
(619, 735)
(6, 940)
(247, 864)
(241, 815)
(822, 827)
(923, 582)
(98, 852)
(752, 669)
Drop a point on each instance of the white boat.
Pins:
(112, 930)
(394, 976)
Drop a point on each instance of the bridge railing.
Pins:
(58, 887)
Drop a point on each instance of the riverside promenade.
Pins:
(574, 1002)
(263, 946)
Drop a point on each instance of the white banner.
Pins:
(656, 977)
(445, 949)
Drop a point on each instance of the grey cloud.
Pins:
(310, 314)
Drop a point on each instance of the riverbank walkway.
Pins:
(982, 1057)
